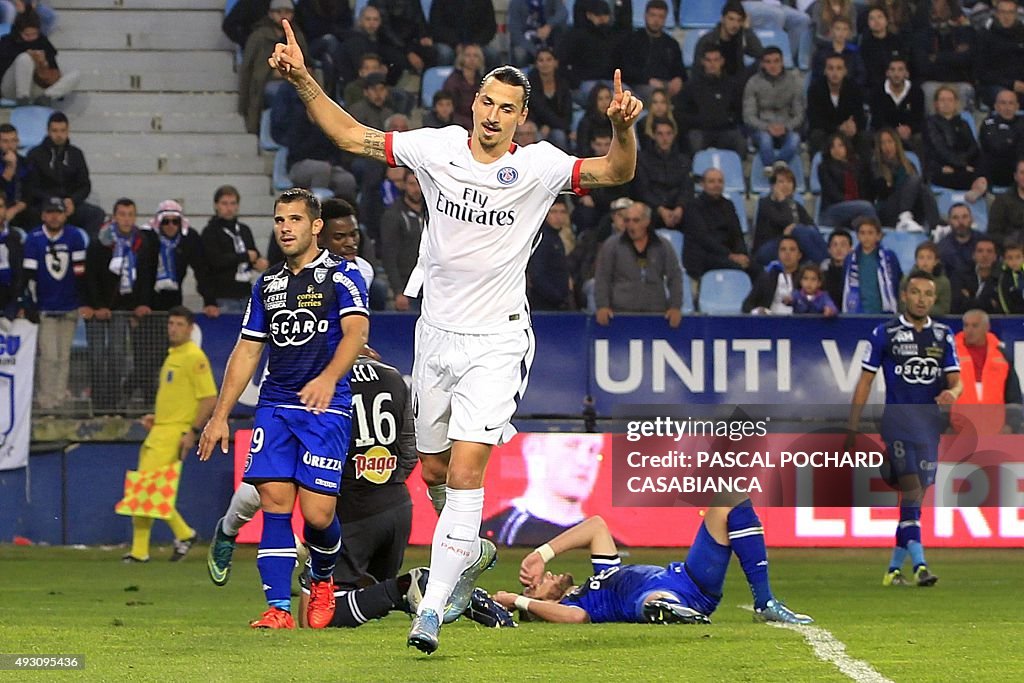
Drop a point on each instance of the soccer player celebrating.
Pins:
(918, 357)
(487, 199)
(311, 310)
(681, 592)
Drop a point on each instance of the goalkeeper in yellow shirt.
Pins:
(184, 402)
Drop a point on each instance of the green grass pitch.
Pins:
(167, 622)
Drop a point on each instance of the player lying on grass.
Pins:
(681, 592)
(403, 594)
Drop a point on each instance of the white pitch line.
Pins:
(828, 648)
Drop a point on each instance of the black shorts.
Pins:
(373, 546)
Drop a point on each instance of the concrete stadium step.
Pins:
(181, 164)
(152, 70)
(143, 122)
(195, 104)
(194, 192)
(140, 30)
(155, 144)
(122, 5)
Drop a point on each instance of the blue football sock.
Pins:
(746, 536)
(899, 555)
(275, 558)
(909, 534)
(324, 545)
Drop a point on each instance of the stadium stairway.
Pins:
(155, 111)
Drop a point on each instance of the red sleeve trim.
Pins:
(577, 190)
(389, 152)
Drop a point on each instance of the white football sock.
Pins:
(456, 545)
(244, 504)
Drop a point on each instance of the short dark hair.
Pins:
(336, 208)
(897, 58)
(867, 220)
(928, 246)
(1012, 242)
(734, 6)
(713, 47)
(441, 96)
(56, 117)
(836, 56)
(959, 205)
(842, 20)
(27, 19)
(124, 201)
(182, 312)
(810, 268)
(656, 4)
(510, 75)
(224, 190)
(986, 238)
(7, 128)
(298, 194)
(841, 233)
(790, 238)
(917, 274)
(771, 50)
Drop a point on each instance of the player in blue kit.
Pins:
(917, 356)
(311, 311)
(681, 592)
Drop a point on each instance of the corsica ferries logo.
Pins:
(376, 465)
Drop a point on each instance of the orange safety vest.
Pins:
(987, 412)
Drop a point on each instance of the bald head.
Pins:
(976, 327)
(713, 182)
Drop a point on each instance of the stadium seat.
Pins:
(433, 79)
(914, 159)
(722, 291)
(760, 184)
(727, 161)
(736, 197)
(699, 13)
(570, 6)
(688, 306)
(969, 118)
(770, 38)
(267, 143)
(639, 6)
(229, 5)
(31, 124)
(675, 238)
(690, 38)
(425, 4)
(903, 245)
(281, 180)
(5, 28)
(814, 183)
(979, 209)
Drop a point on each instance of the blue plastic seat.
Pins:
(675, 238)
(979, 209)
(725, 160)
(690, 38)
(770, 38)
(31, 124)
(722, 291)
(433, 80)
(267, 142)
(759, 183)
(698, 13)
(736, 197)
(280, 179)
(903, 244)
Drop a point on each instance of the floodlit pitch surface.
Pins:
(164, 621)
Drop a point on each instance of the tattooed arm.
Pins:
(337, 124)
(618, 166)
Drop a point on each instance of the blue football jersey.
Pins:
(299, 317)
(615, 593)
(56, 264)
(914, 365)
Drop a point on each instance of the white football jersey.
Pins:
(483, 224)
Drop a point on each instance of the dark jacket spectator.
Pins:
(587, 51)
(464, 82)
(841, 181)
(404, 24)
(713, 232)
(745, 43)
(973, 290)
(887, 113)
(774, 216)
(709, 103)
(117, 285)
(547, 274)
(401, 228)
(1002, 143)
(12, 274)
(526, 23)
(945, 51)
(58, 169)
(554, 111)
(1000, 55)
(855, 69)
(461, 22)
(595, 118)
(254, 71)
(11, 45)
(643, 56)
(369, 37)
(951, 143)
(227, 244)
(180, 248)
(662, 179)
(1006, 215)
(824, 117)
(876, 53)
(319, 18)
(238, 23)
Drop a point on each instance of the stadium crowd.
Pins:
(871, 108)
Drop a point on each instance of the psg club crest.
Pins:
(320, 274)
(507, 175)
